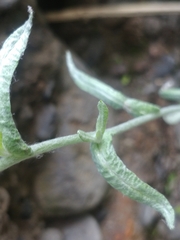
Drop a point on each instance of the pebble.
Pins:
(5, 4)
(147, 215)
(163, 67)
(152, 26)
(156, 50)
(85, 228)
(51, 234)
(68, 184)
(46, 122)
(4, 200)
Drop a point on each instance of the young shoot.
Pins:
(14, 150)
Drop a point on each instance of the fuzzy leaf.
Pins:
(109, 95)
(94, 86)
(12, 50)
(171, 117)
(1, 146)
(139, 108)
(122, 179)
(170, 94)
(101, 121)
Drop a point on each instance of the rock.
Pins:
(8, 230)
(5, 4)
(152, 26)
(163, 67)
(45, 124)
(147, 215)
(4, 200)
(83, 228)
(51, 234)
(69, 184)
(156, 50)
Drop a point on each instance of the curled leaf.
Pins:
(109, 95)
(122, 179)
(94, 86)
(12, 50)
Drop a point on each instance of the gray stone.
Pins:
(51, 234)
(69, 183)
(147, 215)
(85, 228)
(4, 200)
(5, 4)
(152, 25)
(8, 230)
(164, 67)
(45, 124)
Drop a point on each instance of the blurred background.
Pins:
(134, 47)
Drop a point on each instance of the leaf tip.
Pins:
(30, 11)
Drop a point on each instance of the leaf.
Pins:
(109, 95)
(171, 117)
(139, 108)
(1, 146)
(122, 179)
(170, 94)
(94, 86)
(12, 50)
(101, 121)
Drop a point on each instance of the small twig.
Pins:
(114, 11)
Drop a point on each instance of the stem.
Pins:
(123, 127)
(50, 145)
(55, 143)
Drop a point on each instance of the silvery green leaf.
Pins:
(170, 94)
(118, 176)
(171, 114)
(94, 86)
(139, 108)
(12, 50)
(1, 145)
(109, 95)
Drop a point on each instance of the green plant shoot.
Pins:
(13, 149)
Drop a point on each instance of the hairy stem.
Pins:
(50, 145)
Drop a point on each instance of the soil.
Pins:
(139, 55)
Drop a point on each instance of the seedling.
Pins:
(14, 150)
